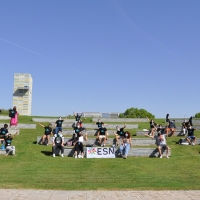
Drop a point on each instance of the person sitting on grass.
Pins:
(79, 145)
(80, 122)
(186, 124)
(102, 135)
(76, 132)
(7, 140)
(161, 143)
(190, 137)
(77, 117)
(3, 132)
(161, 129)
(171, 126)
(152, 126)
(126, 145)
(58, 142)
(99, 123)
(47, 133)
(119, 134)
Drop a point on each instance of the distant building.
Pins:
(92, 114)
(22, 93)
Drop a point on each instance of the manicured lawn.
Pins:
(35, 168)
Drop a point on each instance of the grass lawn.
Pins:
(35, 168)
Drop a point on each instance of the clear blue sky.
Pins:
(103, 56)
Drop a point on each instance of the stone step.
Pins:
(110, 141)
(93, 126)
(89, 132)
(13, 131)
(3, 151)
(52, 120)
(142, 133)
(137, 152)
(4, 118)
(22, 126)
(185, 142)
(124, 120)
(194, 121)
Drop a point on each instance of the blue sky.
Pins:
(103, 56)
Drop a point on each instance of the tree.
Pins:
(136, 113)
(197, 115)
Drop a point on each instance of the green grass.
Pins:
(35, 168)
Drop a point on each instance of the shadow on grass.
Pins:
(47, 153)
(35, 142)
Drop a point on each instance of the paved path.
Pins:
(14, 194)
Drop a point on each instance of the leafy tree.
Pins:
(197, 115)
(136, 113)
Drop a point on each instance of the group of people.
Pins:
(6, 137)
(6, 140)
(79, 135)
(163, 132)
(58, 139)
(120, 134)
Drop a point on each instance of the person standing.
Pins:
(58, 124)
(13, 114)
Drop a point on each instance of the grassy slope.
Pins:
(34, 167)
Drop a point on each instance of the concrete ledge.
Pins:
(22, 126)
(89, 141)
(142, 133)
(52, 120)
(185, 142)
(13, 131)
(3, 152)
(133, 152)
(194, 120)
(94, 126)
(120, 119)
(89, 132)
(4, 118)
(110, 141)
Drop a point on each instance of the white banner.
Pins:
(100, 152)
